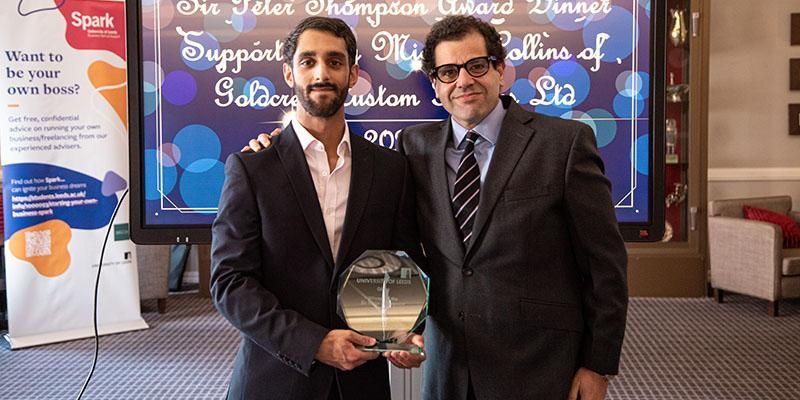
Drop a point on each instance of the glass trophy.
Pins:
(384, 294)
(676, 92)
(671, 140)
(678, 32)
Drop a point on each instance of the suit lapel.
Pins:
(363, 159)
(513, 139)
(451, 245)
(296, 167)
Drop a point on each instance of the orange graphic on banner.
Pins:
(45, 246)
(111, 82)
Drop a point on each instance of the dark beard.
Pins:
(315, 108)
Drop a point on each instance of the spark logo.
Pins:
(92, 21)
(95, 25)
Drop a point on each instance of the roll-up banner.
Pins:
(63, 102)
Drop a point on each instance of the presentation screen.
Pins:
(205, 76)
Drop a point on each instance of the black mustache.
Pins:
(321, 86)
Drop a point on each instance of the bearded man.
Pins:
(281, 240)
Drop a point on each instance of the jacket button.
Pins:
(466, 271)
(461, 315)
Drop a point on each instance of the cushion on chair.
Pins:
(791, 232)
(791, 266)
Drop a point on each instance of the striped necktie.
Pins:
(467, 189)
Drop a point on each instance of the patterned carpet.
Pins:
(698, 349)
(186, 354)
(674, 349)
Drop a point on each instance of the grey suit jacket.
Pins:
(274, 277)
(541, 288)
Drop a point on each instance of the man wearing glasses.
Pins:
(528, 292)
(527, 266)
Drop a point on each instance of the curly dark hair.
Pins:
(335, 26)
(456, 27)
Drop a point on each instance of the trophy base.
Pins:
(382, 347)
(671, 159)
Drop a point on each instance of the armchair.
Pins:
(153, 267)
(747, 256)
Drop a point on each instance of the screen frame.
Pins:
(653, 229)
(141, 233)
(649, 231)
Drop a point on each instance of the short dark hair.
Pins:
(456, 27)
(335, 26)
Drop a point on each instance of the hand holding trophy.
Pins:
(384, 294)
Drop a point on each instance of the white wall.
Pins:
(750, 150)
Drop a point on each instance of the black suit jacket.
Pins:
(541, 288)
(274, 277)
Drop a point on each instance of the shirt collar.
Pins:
(307, 139)
(488, 128)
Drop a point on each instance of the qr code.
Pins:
(37, 243)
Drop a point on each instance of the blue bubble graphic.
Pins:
(150, 101)
(263, 82)
(238, 86)
(515, 44)
(631, 85)
(618, 24)
(642, 151)
(569, 21)
(170, 175)
(605, 126)
(201, 165)
(581, 117)
(637, 84)
(622, 106)
(399, 71)
(196, 142)
(190, 52)
(148, 87)
(572, 74)
(356, 110)
(413, 49)
(523, 91)
(179, 88)
(550, 110)
(644, 82)
(243, 22)
(646, 5)
(202, 189)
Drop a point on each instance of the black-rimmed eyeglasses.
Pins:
(476, 68)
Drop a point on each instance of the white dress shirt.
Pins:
(332, 187)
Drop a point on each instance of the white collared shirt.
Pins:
(332, 187)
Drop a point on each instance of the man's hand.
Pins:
(588, 385)
(404, 359)
(261, 142)
(338, 349)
